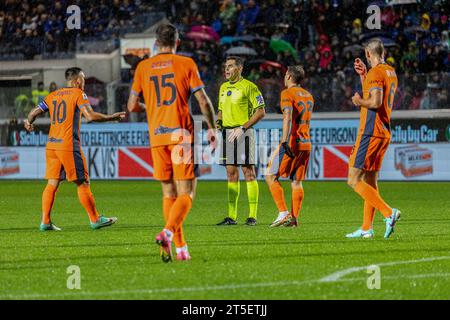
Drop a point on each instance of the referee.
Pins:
(241, 105)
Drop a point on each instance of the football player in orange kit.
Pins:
(64, 158)
(379, 85)
(166, 82)
(291, 158)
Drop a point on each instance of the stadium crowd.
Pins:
(29, 27)
(323, 35)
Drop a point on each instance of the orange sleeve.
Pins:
(195, 83)
(285, 100)
(82, 100)
(136, 88)
(375, 81)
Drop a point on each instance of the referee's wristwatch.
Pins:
(243, 129)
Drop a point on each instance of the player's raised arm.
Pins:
(361, 69)
(92, 116)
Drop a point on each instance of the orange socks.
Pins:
(371, 195)
(297, 199)
(48, 197)
(178, 212)
(369, 214)
(87, 201)
(278, 196)
(167, 205)
(178, 237)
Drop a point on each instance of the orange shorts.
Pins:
(281, 165)
(368, 153)
(70, 165)
(170, 163)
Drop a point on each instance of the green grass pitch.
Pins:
(234, 262)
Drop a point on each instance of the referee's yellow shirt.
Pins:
(238, 101)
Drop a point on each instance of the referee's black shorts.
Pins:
(240, 152)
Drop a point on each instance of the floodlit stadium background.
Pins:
(38, 40)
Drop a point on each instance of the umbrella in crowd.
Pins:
(206, 29)
(282, 45)
(387, 42)
(266, 64)
(241, 51)
(200, 36)
(202, 52)
(227, 40)
(354, 49)
(250, 38)
(246, 38)
(186, 54)
(395, 2)
(369, 35)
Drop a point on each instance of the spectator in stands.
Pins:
(445, 40)
(254, 75)
(52, 87)
(29, 24)
(227, 12)
(430, 96)
(38, 95)
(20, 105)
(247, 16)
(426, 22)
(416, 100)
(357, 27)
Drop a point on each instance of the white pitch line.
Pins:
(212, 288)
(161, 290)
(339, 274)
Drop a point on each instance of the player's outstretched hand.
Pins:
(360, 67)
(356, 99)
(288, 150)
(236, 133)
(28, 126)
(118, 116)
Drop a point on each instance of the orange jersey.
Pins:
(167, 81)
(302, 104)
(64, 106)
(376, 122)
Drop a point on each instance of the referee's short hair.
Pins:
(297, 73)
(238, 60)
